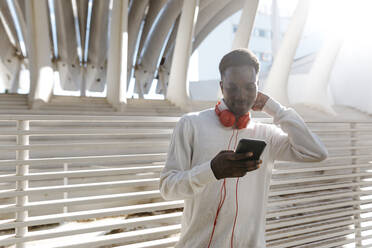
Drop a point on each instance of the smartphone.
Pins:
(251, 145)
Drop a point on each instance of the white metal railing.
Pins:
(69, 169)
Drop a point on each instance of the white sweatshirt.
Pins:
(197, 139)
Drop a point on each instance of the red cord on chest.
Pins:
(223, 194)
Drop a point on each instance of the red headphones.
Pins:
(227, 118)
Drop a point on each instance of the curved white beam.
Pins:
(68, 63)
(166, 61)
(136, 13)
(82, 6)
(178, 90)
(245, 27)
(204, 3)
(214, 21)
(226, 12)
(152, 13)
(276, 84)
(209, 11)
(96, 69)
(8, 25)
(149, 57)
(9, 63)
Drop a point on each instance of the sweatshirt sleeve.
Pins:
(179, 179)
(293, 141)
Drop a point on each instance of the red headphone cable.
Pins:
(222, 198)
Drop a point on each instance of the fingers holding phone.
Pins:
(246, 158)
(227, 164)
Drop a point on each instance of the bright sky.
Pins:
(330, 15)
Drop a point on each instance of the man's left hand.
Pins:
(260, 101)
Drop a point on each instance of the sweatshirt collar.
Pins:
(223, 105)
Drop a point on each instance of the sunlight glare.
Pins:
(341, 17)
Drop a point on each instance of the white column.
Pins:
(245, 27)
(22, 185)
(118, 54)
(275, 28)
(178, 89)
(39, 51)
(83, 87)
(316, 93)
(276, 84)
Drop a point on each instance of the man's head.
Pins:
(239, 70)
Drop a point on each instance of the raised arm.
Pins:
(293, 141)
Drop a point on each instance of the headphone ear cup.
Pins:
(227, 118)
(243, 121)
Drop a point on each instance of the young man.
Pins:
(225, 194)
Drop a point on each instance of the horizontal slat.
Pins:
(345, 139)
(329, 160)
(109, 158)
(128, 223)
(319, 207)
(348, 148)
(81, 201)
(321, 235)
(78, 187)
(168, 242)
(350, 156)
(312, 188)
(317, 178)
(84, 146)
(87, 118)
(82, 173)
(127, 237)
(98, 213)
(326, 215)
(307, 228)
(342, 130)
(308, 239)
(316, 197)
(319, 168)
(105, 131)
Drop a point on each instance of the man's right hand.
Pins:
(230, 164)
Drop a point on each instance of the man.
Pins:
(225, 193)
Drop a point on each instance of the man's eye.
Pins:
(251, 86)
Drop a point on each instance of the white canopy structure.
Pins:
(97, 45)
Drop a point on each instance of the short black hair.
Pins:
(239, 57)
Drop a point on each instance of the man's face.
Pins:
(239, 88)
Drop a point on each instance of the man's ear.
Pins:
(221, 85)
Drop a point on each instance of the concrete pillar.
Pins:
(276, 84)
(275, 28)
(40, 52)
(118, 54)
(178, 89)
(244, 31)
